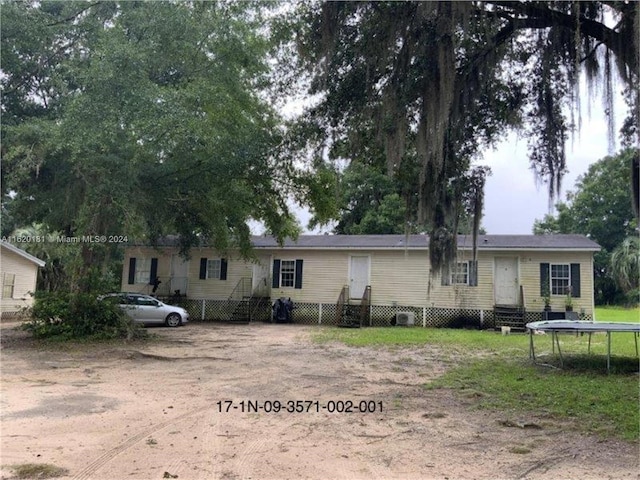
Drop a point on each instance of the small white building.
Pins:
(19, 273)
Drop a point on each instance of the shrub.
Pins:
(74, 315)
(632, 298)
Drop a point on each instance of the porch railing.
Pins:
(365, 304)
(242, 290)
(342, 299)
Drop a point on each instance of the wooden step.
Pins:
(509, 316)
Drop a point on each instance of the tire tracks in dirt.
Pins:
(87, 472)
(176, 464)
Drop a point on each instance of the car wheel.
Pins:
(173, 320)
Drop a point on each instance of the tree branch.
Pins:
(74, 16)
(538, 16)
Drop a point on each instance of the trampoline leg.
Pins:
(532, 352)
(589, 347)
(559, 351)
(635, 337)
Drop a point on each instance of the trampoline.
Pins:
(580, 326)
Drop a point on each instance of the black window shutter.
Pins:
(223, 269)
(132, 270)
(276, 274)
(298, 283)
(575, 280)
(203, 268)
(544, 280)
(154, 270)
(473, 273)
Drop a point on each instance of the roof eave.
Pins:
(23, 254)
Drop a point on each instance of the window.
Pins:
(557, 278)
(213, 268)
(143, 270)
(287, 273)
(8, 282)
(460, 274)
(560, 279)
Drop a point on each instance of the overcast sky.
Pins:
(513, 199)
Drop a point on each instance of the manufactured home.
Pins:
(19, 273)
(509, 281)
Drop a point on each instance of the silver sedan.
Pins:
(148, 310)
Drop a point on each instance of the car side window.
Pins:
(147, 302)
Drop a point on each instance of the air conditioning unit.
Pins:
(405, 319)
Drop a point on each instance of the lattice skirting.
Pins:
(325, 314)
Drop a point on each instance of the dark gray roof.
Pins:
(417, 242)
(485, 242)
(346, 241)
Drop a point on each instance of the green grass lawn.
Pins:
(617, 314)
(506, 380)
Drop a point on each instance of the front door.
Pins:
(359, 275)
(506, 281)
(260, 282)
(179, 274)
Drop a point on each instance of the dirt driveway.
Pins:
(160, 411)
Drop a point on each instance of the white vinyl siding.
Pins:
(397, 277)
(140, 253)
(22, 274)
(463, 295)
(324, 275)
(530, 279)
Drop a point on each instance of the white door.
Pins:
(358, 275)
(179, 274)
(506, 281)
(260, 283)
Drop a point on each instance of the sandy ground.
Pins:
(152, 412)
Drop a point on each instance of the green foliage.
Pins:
(369, 202)
(142, 119)
(67, 315)
(426, 86)
(600, 207)
(625, 267)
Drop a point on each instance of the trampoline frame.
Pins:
(580, 326)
